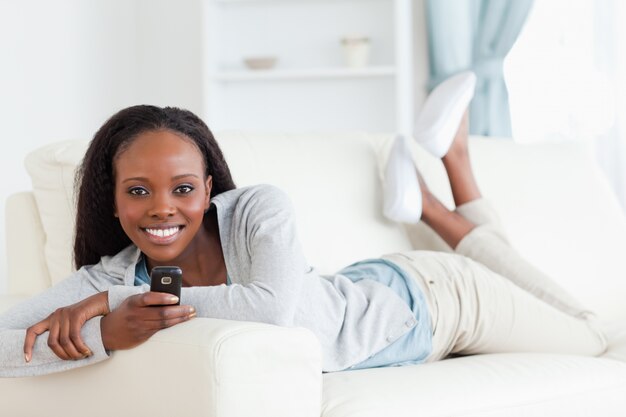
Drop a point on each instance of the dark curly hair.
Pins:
(98, 231)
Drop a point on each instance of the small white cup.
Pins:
(356, 51)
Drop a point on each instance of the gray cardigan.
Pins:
(271, 283)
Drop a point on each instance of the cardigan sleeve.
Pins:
(263, 241)
(15, 321)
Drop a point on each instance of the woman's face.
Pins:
(161, 194)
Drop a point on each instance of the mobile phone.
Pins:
(167, 279)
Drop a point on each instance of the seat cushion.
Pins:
(484, 385)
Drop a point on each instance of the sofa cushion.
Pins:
(52, 170)
(506, 385)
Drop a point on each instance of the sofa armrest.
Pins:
(25, 240)
(205, 367)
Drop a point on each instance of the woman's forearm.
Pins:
(44, 360)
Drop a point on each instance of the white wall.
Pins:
(169, 53)
(420, 44)
(67, 65)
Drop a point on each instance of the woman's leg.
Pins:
(450, 225)
(474, 310)
(496, 301)
(459, 168)
(473, 230)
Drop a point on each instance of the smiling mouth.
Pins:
(162, 235)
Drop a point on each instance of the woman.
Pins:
(154, 189)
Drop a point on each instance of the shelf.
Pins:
(311, 87)
(303, 74)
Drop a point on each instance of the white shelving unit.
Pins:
(310, 88)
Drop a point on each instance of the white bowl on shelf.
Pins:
(260, 62)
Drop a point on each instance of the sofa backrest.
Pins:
(334, 183)
(558, 210)
(554, 203)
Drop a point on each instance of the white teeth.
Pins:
(163, 232)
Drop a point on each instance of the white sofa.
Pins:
(553, 201)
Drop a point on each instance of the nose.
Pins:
(162, 207)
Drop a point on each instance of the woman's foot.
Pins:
(442, 113)
(402, 197)
(407, 199)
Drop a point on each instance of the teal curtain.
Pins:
(476, 35)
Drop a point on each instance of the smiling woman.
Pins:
(155, 190)
(146, 180)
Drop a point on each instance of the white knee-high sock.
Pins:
(402, 195)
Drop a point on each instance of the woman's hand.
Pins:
(64, 327)
(139, 317)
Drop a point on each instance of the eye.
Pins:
(184, 189)
(138, 191)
